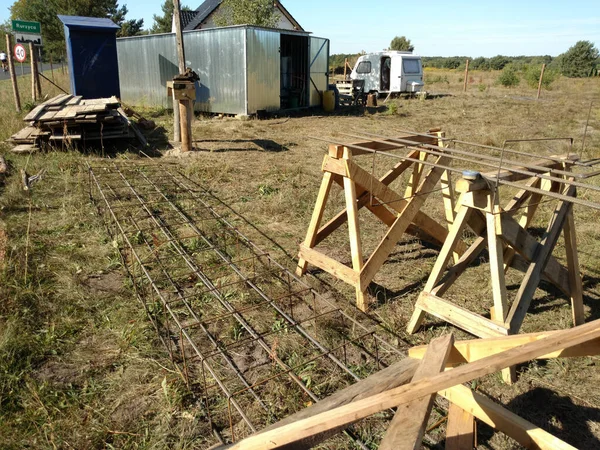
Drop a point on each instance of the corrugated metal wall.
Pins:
(319, 68)
(264, 65)
(239, 68)
(146, 63)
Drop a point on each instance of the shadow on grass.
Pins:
(554, 413)
(266, 145)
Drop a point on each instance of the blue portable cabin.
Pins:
(92, 53)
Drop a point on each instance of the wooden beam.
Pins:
(355, 411)
(460, 430)
(575, 285)
(536, 269)
(499, 418)
(407, 428)
(459, 316)
(496, 252)
(317, 216)
(329, 265)
(397, 374)
(405, 218)
(528, 247)
(354, 233)
(475, 349)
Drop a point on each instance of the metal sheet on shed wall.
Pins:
(146, 63)
(217, 56)
(263, 66)
(319, 62)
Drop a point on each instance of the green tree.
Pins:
(498, 62)
(402, 44)
(46, 13)
(163, 24)
(580, 60)
(261, 13)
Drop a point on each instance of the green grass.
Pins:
(80, 365)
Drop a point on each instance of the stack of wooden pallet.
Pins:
(68, 118)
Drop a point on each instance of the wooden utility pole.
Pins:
(181, 66)
(345, 65)
(541, 78)
(13, 75)
(183, 119)
(466, 76)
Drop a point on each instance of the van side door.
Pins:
(396, 74)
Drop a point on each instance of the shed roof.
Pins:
(88, 22)
(186, 18)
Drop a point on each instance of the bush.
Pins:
(481, 87)
(532, 77)
(579, 60)
(508, 77)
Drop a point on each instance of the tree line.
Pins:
(581, 60)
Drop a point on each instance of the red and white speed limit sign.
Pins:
(20, 53)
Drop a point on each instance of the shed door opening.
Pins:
(294, 71)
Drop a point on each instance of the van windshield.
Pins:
(411, 66)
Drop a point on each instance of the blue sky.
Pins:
(436, 28)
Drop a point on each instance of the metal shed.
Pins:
(242, 69)
(92, 55)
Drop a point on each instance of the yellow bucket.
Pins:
(329, 101)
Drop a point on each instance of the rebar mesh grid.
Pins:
(255, 342)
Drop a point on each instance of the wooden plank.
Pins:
(407, 428)
(405, 218)
(315, 221)
(74, 100)
(460, 430)
(475, 349)
(354, 233)
(575, 285)
(397, 374)
(329, 265)
(524, 432)
(35, 113)
(355, 411)
(528, 247)
(536, 269)
(462, 216)
(459, 316)
(541, 166)
(496, 252)
(24, 148)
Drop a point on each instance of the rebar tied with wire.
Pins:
(248, 336)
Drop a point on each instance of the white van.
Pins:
(389, 72)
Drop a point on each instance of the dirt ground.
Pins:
(109, 384)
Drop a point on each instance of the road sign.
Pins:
(20, 53)
(26, 38)
(26, 32)
(21, 26)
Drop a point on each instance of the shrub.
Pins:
(532, 77)
(481, 87)
(579, 60)
(508, 77)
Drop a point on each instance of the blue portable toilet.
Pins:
(92, 54)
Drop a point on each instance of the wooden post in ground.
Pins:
(33, 71)
(13, 75)
(541, 78)
(186, 125)
(345, 66)
(52, 68)
(181, 66)
(466, 76)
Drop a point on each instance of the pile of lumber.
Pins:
(412, 384)
(67, 119)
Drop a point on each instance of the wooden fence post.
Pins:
(540, 83)
(13, 75)
(466, 76)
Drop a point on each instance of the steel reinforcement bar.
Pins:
(253, 340)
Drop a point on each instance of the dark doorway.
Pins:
(386, 67)
(294, 71)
